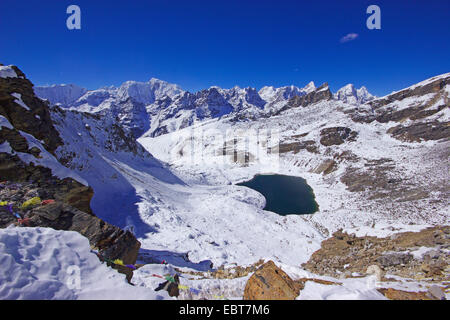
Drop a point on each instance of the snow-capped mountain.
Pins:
(125, 103)
(168, 115)
(147, 92)
(63, 94)
(349, 94)
(157, 107)
(76, 97)
(271, 94)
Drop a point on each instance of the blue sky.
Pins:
(197, 44)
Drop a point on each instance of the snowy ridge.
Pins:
(157, 107)
(349, 94)
(88, 100)
(63, 94)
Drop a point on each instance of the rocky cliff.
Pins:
(31, 169)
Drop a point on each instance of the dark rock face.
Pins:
(111, 241)
(337, 135)
(320, 94)
(16, 141)
(37, 120)
(421, 131)
(295, 147)
(66, 190)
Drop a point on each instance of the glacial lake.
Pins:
(284, 194)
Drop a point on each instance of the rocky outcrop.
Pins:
(326, 167)
(24, 180)
(111, 241)
(271, 283)
(337, 135)
(322, 93)
(418, 132)
(382, 179)
(44, 183)
(417, 102)
(433, 85)
(395, 294)
(26, 112)
(296, 147)
(344, 255)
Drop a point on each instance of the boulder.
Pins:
(394, 259)
(395, 294)
(271, 283)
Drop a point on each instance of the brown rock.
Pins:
(271, 283)
(337, 135)
(394, 294)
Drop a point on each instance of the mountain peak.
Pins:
(309, 87)
(349, 94)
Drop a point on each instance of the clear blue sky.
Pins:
(197, 44)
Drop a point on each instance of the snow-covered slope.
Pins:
(42, 263)
(7, 72)
(63, 94)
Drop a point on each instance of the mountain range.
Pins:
(157, 107)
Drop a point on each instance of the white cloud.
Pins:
(349, 37)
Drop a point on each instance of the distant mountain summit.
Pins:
(349, 94)
(63, 94)
(74, 96)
